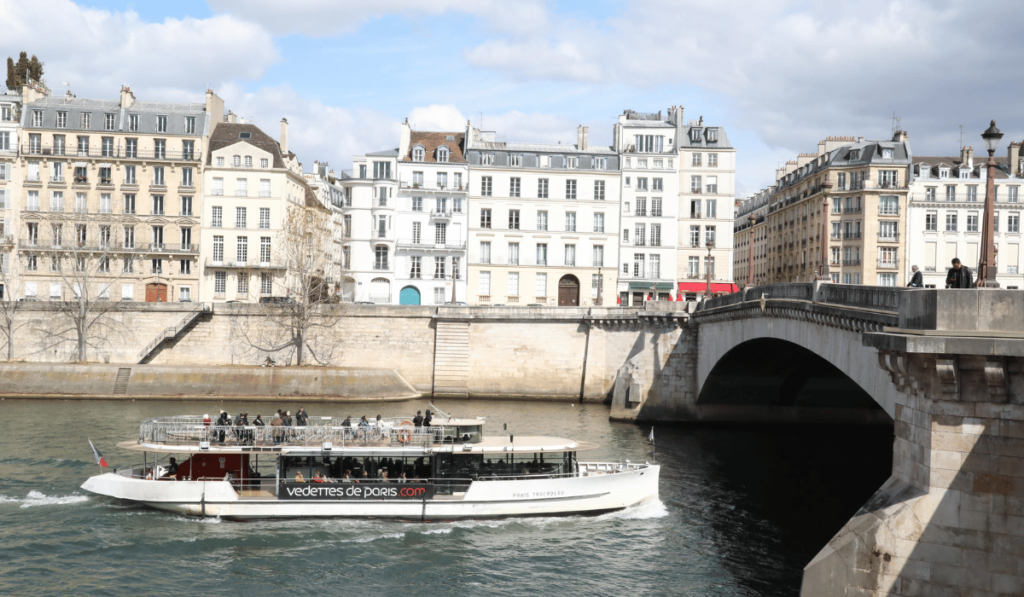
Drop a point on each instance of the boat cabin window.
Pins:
(357, 467)
(483, 466)
(457, 434)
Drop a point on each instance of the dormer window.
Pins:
(923, 170)
(487, 159)
(449, 137)
(887, 154)
(965, 173)
(854, 154)
(711, 135)
(572, 162)
(442, 154)
(515, 160)
(943, 172)
(695, 135)
(418, 153)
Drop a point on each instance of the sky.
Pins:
(778, 75)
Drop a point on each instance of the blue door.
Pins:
(409, 296)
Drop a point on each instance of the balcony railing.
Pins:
(408, 243)
(272, 264)
(114, 247)
(888, 237)
(119, 152)
(851, 236)
(851, 261)
(433, 186)
(887, 264)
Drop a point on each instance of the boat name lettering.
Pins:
(357, 491)
(537, 494)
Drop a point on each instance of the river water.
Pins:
(742, 510)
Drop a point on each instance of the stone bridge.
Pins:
(945, 366)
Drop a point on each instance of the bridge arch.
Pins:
(840, 348)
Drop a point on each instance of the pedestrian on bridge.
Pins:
(916, 281)
(959, 276)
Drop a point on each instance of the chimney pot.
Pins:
(284, 137)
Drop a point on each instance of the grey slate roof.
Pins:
(176, 113)
(686, 141)
(555, 148)
(227, 134)
(387, 153)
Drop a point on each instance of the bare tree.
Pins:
(300, 314)
(9, 305)
(87, 268)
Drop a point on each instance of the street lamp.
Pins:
(600, 283)
(825, 187)
(750, 257)
(987, 262)
(707, 268)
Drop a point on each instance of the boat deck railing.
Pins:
(193, 431)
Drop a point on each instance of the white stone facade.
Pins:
(946, 215)
(368, 250)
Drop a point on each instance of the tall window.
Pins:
(641, 183)
(241, 187)
(641, 206)
(158, 176)
(711, 208)
(513, 187)
(240, 217)
(243, 284)
(382, 227)
(712, 160)
(248, 161)
(86, 121)
(599, 190)
(696, 160)
(655, 235)
(380, 261)
(220, 283)
(513, 253)
(570, 189)
(346, 222)
(485, 252)
(542, 254)
(1013, 223)
(161, 124)
(542, 220)
(486, 186)
(513, 219)
(218, 249)
(570, 221)
(654, 267)
(415, 267)
(598, 222)
(656, 207)
(972, 222)
(217, 217)
(638, 265)
(542, 188)
(485, 283)
(242, 249)
(266, 284)
(513, 284)
(190, 125)
(158, 205)
(570, 255)
(440, 233)
(931, 221)
(888, 205)
(541, 286)
(694, 184)
(598, 256)
(129, 237)
(485, 218)
(439, 268)
(640, 235)
(264, 249)
(951, 221)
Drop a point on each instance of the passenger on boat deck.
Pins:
(299, 478)
(384, 476)
(427, 419)
(172, 467)
(379, 421)
(363, 422)
(224, 420)
(258, 421)
(347, 422)
(418, 419)
(238, 428)
(287, 418)
(301, 418)
(277, 423)
(402, 478)
(318, 478)
(347, 476)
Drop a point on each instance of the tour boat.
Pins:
(389, 468)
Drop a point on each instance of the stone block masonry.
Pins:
(485, 352)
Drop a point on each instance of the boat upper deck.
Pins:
(194, 434)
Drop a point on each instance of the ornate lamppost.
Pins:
(824, 276)
(987, 262)
(750, 257)
(707, 268)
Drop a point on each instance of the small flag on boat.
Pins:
(649, 438)
(99, 457)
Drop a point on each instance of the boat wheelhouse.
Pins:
(387, 468)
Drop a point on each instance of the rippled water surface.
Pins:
(742, 511)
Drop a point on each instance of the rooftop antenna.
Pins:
(959, 147)
(68, 93)
(481, 121)
(896, 123)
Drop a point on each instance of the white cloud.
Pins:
(796, 71)
(328, 17)
(437, 117)
(97, 51)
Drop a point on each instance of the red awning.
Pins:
(720, 287)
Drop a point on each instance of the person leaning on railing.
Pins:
(278, 426)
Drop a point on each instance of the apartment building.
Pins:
(543, 222)
(432, 217)
(368, 221)
(649, 236)
(946, 214)
(111, 187)
(707, 190)
(750, 239)
(250, 181)
(330, 194)
(10, 108)
(861, 227)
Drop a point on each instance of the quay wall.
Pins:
(66, 381)
(543, 353)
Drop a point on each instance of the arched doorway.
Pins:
(409, 296)
(569, 291)
(380, 290)
(348, 290)
(156, 293)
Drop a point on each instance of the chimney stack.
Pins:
(582, 134)
(1012, 158)
(231, 117)
(284, 136)
(127, 97)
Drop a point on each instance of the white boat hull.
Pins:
(586, 494)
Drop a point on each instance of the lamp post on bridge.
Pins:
(824, 275)
(750, 257)
(987, 262)
(707, 270)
